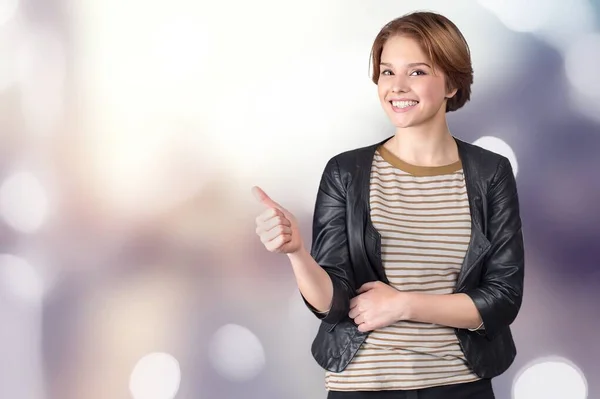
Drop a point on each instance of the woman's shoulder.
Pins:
(481, 159)
(478, 151)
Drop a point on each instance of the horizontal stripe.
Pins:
(418, 378)
(368, 350)
(378, 188)
(391, 199)
(409, 354)
(448, 373)
(406, 282)
(419, 262)
(417, 325)
(377, 204)
(405, 361)
(416, 216)
(451, 277)
(403, 219)
(392, 192)
(414, 338)
(442, 271)
(384, 361)
(450, 230)
(407, 179)
(420, 335)
(433, 288)
(392, 387)
(420, 233)
(427, 343)
(457, 248)
(430, 242)
(408, 254)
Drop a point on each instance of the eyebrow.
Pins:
(411, 65)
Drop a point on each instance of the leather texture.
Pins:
(347, 245)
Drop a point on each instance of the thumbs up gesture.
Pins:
(276, 226)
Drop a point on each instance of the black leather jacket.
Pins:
(347, 245)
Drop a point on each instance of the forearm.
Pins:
(452, 310)
(313, 281)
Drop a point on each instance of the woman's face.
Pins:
(410, 94)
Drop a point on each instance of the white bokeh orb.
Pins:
(501, 147)
(23, 202)
(20, 279)
(155, 376)
(236, 353)
(550, 379)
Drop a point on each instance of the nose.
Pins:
(400, 84)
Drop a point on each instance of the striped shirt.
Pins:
(422, 214)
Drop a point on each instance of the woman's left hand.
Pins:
(378, 305)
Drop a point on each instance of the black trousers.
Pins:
(481, 389)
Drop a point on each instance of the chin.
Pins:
(402, 124)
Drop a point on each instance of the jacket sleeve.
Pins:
(330, 243)
(498, 297)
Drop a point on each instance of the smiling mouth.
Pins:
(403, 104)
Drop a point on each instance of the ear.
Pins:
(451, 93)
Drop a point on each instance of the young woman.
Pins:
(416, 265)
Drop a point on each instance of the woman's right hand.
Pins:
(276, 226)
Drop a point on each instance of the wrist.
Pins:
(405, 302)
(299, 254)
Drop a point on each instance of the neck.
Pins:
(425, 145)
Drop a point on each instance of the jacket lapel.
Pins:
(371, 237)
(479, 244)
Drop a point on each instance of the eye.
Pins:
(417, 72)
(386, 72)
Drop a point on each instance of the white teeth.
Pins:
(404, 104)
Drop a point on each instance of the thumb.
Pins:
(263, 198)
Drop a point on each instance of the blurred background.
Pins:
(132, 131)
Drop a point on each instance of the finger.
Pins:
(268, 214)
(366, 287)
(274, 233)
(359, 319)
(364, 327)
(264, 199)
(353, 302)
(273, 222)
(353, 313)
(276, 244)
